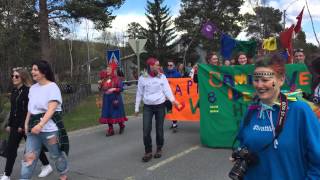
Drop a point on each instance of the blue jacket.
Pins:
(297, 156)
(174, 73)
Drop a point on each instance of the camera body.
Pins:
(243, 159)
(316, 100)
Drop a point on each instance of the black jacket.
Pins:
(19, 107)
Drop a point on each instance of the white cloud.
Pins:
(246, 8)
(120, 23)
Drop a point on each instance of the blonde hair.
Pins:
(25, 76)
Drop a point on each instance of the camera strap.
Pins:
(280, 123)
(281, 119)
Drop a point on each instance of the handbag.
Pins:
(3, 148)
(115, 102)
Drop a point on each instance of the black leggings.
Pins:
(13, 143)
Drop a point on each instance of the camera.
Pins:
(316, 100)
(243, 159)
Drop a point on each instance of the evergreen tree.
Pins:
(224, 14)
(160, 34)
(264, 23)
(135, 31)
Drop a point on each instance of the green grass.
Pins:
(86, 114)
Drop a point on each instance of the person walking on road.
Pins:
(172, 72)
(153, 89)
(112, 105)
(22, 81)
(43, 124)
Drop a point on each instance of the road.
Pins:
(94, 156)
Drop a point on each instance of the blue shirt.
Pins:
(297, 156)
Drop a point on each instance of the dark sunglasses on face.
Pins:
(298, 50)
(170, 65)
(15, 76)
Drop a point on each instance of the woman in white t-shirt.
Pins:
(43, 123)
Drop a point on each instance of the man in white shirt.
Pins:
(153, 89)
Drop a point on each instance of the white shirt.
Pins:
(39, 98)
(153, 90)
(317, 91)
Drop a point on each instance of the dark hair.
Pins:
(274, 61)
(239, 54)
(45, 68)
(209, 56)
(316, 63)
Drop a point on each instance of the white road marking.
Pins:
(172, 158)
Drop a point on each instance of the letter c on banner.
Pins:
(218, 75)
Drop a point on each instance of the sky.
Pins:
(133, 11)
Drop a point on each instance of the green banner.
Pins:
(225, 93)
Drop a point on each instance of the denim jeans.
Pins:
(159, 112)
(13, 145)
(33, 148)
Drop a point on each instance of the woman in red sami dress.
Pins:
(112, 105)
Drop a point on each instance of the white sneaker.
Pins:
(45, 171)
(4, 177)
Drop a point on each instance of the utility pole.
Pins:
(284, 13)
(284, 19)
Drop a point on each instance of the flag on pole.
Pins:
(208, 29)
(297, 28)
(286, 41)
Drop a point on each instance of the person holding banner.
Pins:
(112, 105)
(211, 58)
(153, 89)
(242, 59)
(279, 136)
(172, 72)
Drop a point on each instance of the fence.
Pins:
(73, 94)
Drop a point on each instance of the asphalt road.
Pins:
(93, 156)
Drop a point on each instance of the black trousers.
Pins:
(13, 143)
(159, 112)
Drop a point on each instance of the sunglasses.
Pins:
(298, 50)
(15, 76)
(170, 65)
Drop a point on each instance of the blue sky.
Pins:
(138, 6)
(133, 11)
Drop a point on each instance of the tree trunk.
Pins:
(44, 31)
(71, 59)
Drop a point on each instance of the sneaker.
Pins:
(45, 171)
(4, 177)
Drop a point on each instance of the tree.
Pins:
(160, 32)
(309, 49)
(264, 23)
(224, 14)
(53, 12)
(135, 30)
(19, 37)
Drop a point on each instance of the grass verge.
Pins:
(86, 114)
